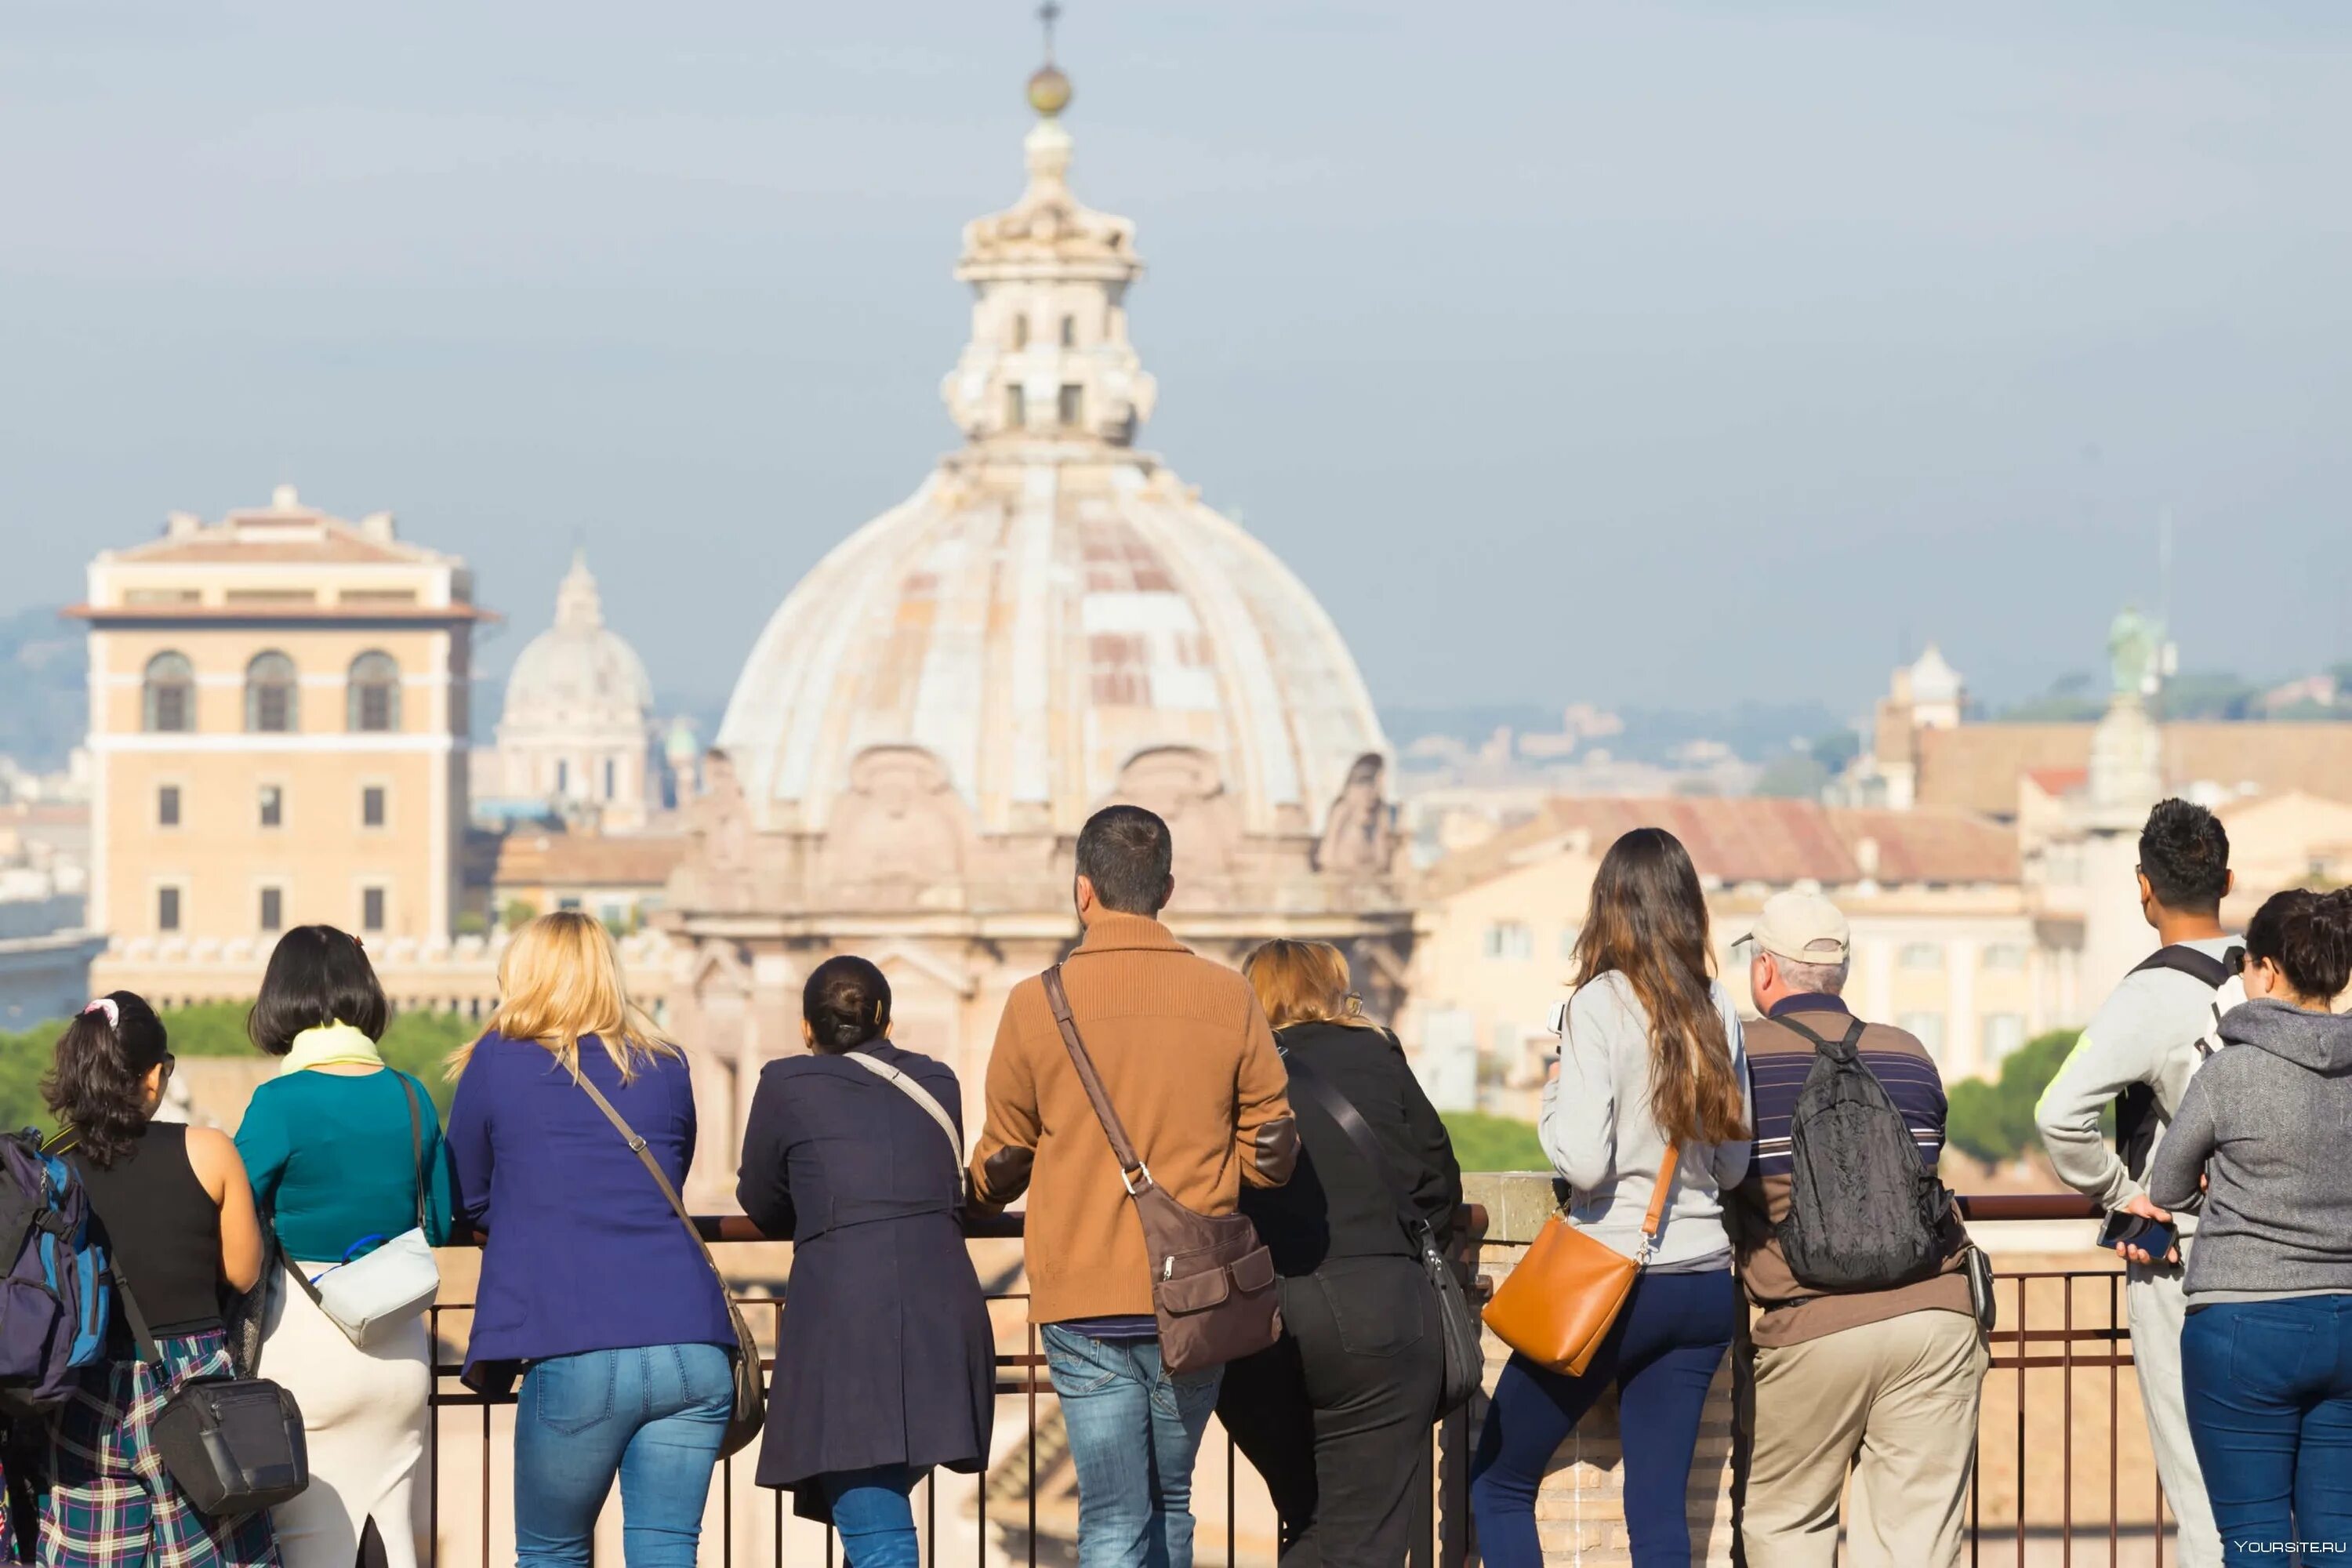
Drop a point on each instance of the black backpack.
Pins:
(2136, 1109)
(1864, 1213)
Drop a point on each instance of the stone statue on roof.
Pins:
(2135, 653)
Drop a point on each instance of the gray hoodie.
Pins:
(2268, 1123)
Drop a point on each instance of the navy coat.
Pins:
(887, 1357)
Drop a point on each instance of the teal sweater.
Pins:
(331, 1157)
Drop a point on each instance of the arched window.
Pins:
(169, 703)
(373, 694)
(270, 706)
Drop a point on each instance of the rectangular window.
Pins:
(167, 909)
(614, 917)
(1069, 332)
(171, 708)
(167, 806)
(2003, 1033)
(611, 773)
(567, 903)
(562, 777)
(375, 708)
(371, 909)
(372, 806)
(273, 909)
(1020, 332)
(1509, 940)
(1929, 1029)
(1922, 956)
(2004, 955)
(1016, 408)
(273, 805)
(1071, 406)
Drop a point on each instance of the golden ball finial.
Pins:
(1049, 91)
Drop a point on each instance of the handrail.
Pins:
(1000, 1226)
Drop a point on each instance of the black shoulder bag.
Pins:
(1465, 1358)
(232, 1445)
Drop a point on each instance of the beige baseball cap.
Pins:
(1803, 927)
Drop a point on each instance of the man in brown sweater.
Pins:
(1188, 1063)
(1882, 1382)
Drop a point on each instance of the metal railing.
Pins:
(2061, 1360)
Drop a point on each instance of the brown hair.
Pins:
(2309, 936)
(1648, 922)
(97, 1081)
(1304, 983)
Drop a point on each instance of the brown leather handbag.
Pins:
(1212, 1283)
(1556, 1307)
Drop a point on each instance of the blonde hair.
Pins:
(1304, 983)
(561, 980)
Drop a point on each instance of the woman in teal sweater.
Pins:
(344, 1154)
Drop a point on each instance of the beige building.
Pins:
(277, 724)
(1945, 943)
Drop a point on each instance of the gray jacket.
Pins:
(2268, 1123)
(1604, 1141)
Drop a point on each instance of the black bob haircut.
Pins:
(2184, 852)
(1126, 852)
(317, 975)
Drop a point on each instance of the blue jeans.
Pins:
(1662, 1352)
(2269, 1389)
(1134, 1431)
(654, 1417)
(872, 1516)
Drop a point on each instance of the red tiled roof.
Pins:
(632, 859)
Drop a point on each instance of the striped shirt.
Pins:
(1779, 1058)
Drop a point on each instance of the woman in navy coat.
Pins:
(886, 1366)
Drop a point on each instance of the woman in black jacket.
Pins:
(1337, 1416)
(886, 1366)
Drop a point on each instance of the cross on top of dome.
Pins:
(1049, 359)
(579, 608)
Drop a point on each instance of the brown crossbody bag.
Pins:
(1557, 1305)
(1212, 1283)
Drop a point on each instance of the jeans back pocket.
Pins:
(569, 1394)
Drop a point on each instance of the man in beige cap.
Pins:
(1883, 1381)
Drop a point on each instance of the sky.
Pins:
(1655, 354)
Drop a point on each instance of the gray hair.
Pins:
(1825, 979)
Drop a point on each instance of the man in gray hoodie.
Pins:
(2266, 1357)
(2148, 1037)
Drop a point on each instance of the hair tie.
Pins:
(108, 1006)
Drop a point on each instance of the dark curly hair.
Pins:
(2184, 852)
(97, 1081)
(846, 1002)
(2309, 936)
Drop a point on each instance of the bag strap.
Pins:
(1359, 1132)
(1848, 1042)
(2199, 966)
(652, 1167)
(922, 1097)
(416, 1141)
(148, 1350)
(1133, 1173)
(1653, 1222)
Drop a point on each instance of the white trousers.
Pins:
(2156, 1306)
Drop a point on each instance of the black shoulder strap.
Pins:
(1341, 1109)
(2202, 967)
(1846, 1046)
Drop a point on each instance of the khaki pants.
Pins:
(1894, 1402)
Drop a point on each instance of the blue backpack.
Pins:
(56, 1298)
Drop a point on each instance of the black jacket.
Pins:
(1336, 1205)
(886, 1355)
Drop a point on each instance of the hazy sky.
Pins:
(1665, 353)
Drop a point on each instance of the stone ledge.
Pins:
(1517, 1203)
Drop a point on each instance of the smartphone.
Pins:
(2152, 1236)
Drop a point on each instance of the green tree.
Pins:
(1482, 1142)
(517, 914)
(1994, 1122)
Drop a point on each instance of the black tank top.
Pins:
(163, 1228)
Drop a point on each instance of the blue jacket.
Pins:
(584, 1252)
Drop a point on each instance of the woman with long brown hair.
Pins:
(1650, 1065)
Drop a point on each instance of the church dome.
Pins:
(579, 674)
(1053, 614)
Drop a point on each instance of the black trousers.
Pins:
(1336, 1417)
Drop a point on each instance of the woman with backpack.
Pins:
(2258, 1148)
(1650, 1071)
(593, 1292)
(1337, 1416)
(345, 1155)
(886, 1366)
(177, 1214)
